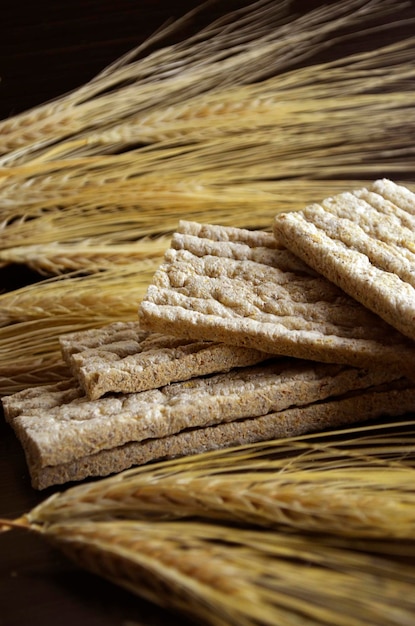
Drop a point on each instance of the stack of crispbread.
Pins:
(243, 336)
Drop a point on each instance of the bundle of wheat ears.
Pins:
(230, 126)
(305, 531)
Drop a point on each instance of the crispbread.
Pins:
(120, 357)
(39, 399)
(61, 428)
(362, 241)
(244, 288)
(389, 400)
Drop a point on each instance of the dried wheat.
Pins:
(242, 47)
(113, 293)
(121, 220)
(223, 575)
(212, 152)
(56, 258)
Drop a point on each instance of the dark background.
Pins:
(47, 48)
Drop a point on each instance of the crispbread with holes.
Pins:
(244, 288)
(122, 358)
(60, 425)
(390, 400)
(364, 242)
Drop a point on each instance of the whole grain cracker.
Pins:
(389, 400)
(39, 399)
(244, 288)
(121, 357)
(363, 241)
(55, 428)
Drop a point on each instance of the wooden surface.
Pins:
(48, 48)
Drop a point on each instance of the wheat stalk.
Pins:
(56, 258)
(356, 483)
(222, 575)
(304, 122)
(123, 227)
(251, 572)
(104, 295)
(231, 137)
(244, 108)
(243, 47)
(246, 574)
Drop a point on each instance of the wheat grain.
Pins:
(125, 224)
(55, 258)
(226, 575)
(113, 293)
(271, 103)
(221, 574)
(44, 204)
(242, 130)
(244, 577)
(33, 372)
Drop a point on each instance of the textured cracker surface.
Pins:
(244, 288)
(123, 358)
(57, 427)
(364, 242)
(39, 399)
(390, 400)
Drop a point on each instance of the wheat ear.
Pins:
(224, 574)
(247, 45)
(244, 128)
(236, 576)
(92, 256)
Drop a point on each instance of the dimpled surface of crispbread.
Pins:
(363, 241)
(56, 428)
(385, 400)
(244, 288)
(122, 358)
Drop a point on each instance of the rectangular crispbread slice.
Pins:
(364, 242)
(244, 288)
(62, 425)
(387, 400)
(122, 358)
